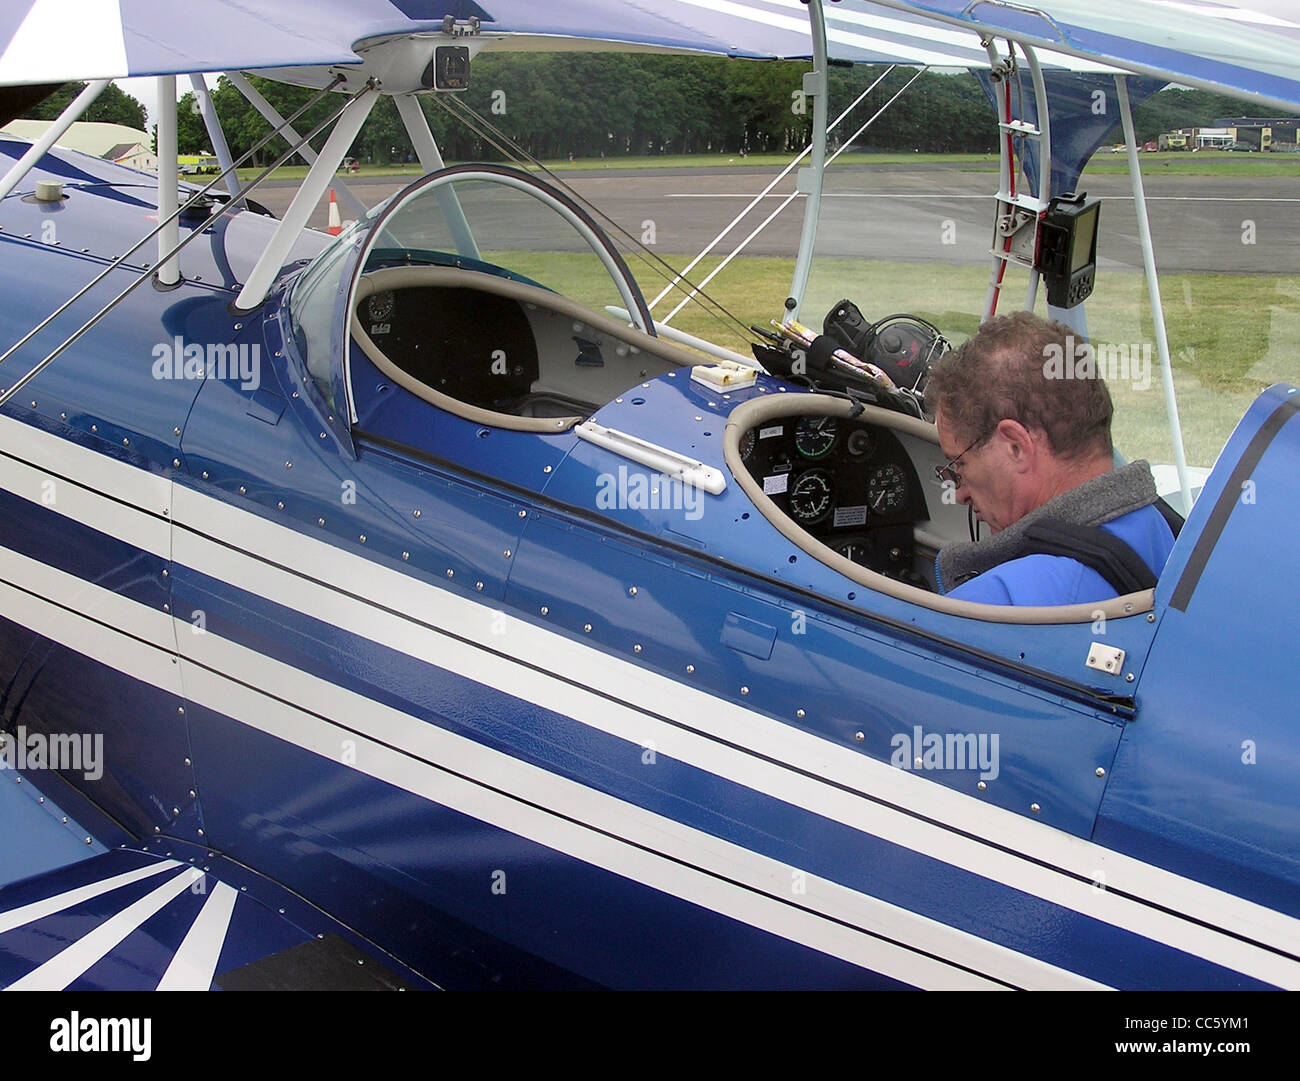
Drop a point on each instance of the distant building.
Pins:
(1215, 137)
(113, 142)
(1237, 133)
(1264, 132)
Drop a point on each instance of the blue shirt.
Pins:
(1048, 580)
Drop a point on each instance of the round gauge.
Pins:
(380, 306)
(814, 436)
(887, 489)
(855, 549)
(811, 497)
(860, 443)
(747, 442)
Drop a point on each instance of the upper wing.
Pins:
(1230, 46)
(53, 41)
(1243, 48)
(44, 41)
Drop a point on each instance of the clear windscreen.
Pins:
(493, 226)
(913, 233)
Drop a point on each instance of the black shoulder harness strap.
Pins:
(1172, 518)
(1094, 547)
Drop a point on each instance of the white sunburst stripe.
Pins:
(966, 42)
(915, 52)
(66, 965)
(894, 38)
(1232, 12)
(194, 964)
(48, 906)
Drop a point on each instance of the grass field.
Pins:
(1202, 163)
(668, 161)
(1230, 335)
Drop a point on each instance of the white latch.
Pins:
(1106, 658)
(725, 375)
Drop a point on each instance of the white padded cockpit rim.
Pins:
(762, 410)
(410, 277)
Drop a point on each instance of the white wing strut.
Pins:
(313, 188)
(1153, 290)
(426, 148)
(208, 110)
(169, 267)
(272, 116)
(52, 135)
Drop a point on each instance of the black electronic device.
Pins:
(903, 346)
(449, 68)
(1067, 249)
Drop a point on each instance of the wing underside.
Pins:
(1243, 48)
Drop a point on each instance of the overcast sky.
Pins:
(143, 90)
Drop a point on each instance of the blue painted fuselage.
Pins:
(413, 670)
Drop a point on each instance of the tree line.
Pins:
(113, 106)
(614, 105)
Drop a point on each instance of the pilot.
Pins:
(1030, 453)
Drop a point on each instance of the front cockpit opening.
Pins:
(485, 292)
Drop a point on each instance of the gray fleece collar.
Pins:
(1102, 499)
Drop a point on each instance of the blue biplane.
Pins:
(378, 598)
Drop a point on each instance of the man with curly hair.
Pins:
(1026, 432)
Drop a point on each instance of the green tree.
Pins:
(618, 104)
(113, 106)
(191, 134)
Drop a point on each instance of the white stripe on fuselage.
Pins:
(614, 714)
(503, 791)
(603, 691)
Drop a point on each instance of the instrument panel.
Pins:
(849, 484)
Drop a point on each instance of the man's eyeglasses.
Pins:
(946, 473)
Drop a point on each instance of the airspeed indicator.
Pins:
(811, 497)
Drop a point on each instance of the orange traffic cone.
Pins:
(335, 225)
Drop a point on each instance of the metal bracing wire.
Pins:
(1153, 291)
(197, 197)
(771, 184)
(76, 335)
(272, 116)
(511, 150)
(789, 198)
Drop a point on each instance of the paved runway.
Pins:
(929, 213)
